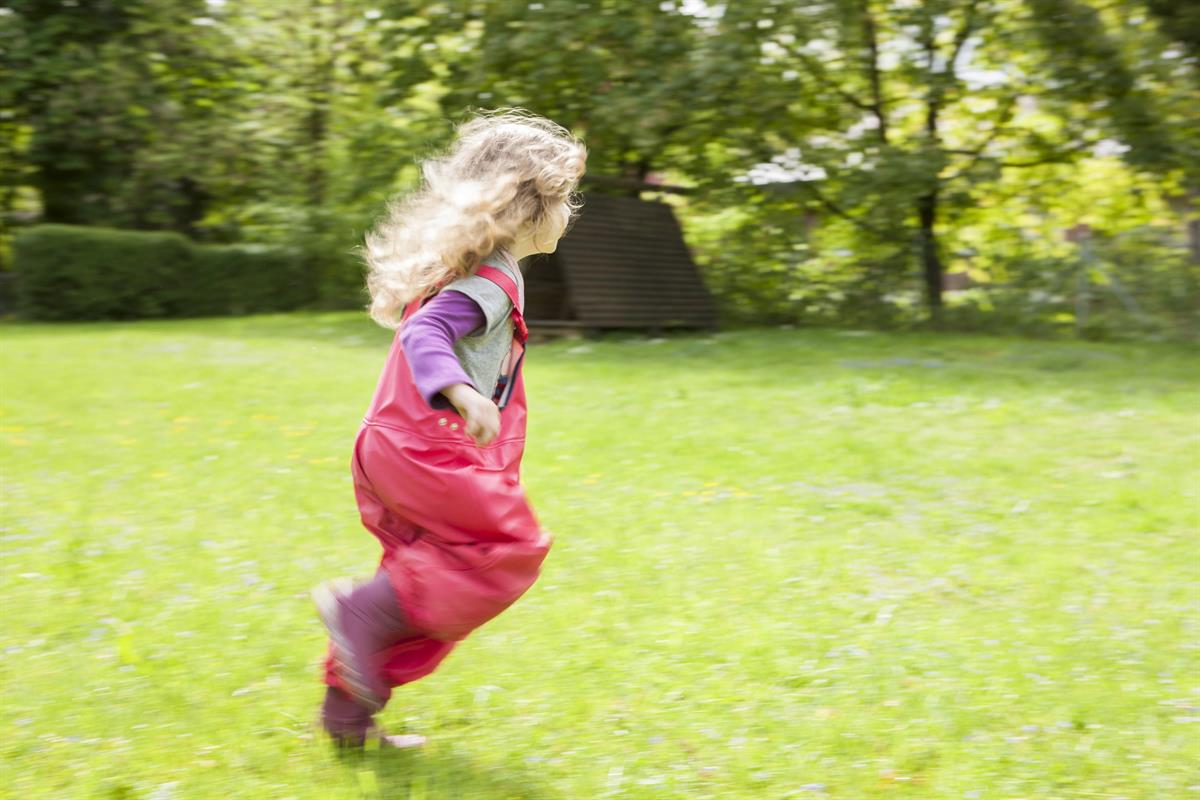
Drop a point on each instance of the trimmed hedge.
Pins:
(69, 272)
(246, 279)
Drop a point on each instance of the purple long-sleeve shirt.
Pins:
(428, 340)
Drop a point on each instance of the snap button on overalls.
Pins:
(460, 541)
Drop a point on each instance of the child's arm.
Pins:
(428, 341)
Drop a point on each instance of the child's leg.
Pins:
(363, 622)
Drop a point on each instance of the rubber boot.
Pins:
(346, 721)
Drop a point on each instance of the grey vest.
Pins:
(483, 351)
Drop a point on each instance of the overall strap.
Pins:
(509, 286)
(416, 303)
(504, 387)
(413, 307)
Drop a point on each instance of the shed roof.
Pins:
(623, 264)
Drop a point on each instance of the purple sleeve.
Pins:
(428, 340)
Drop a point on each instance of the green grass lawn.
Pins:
(788, 564)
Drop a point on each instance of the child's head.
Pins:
(509, 176)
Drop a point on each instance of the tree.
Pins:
(621, 72)
(112, 94)
(889, 117)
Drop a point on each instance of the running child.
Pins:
(436, 462)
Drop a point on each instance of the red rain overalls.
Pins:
(460, 542)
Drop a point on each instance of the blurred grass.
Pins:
(788, 564)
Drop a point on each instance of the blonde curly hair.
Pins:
(508, 171)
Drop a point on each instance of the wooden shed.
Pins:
(623, 264)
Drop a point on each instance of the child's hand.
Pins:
(481, 415)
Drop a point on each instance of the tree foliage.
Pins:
(842, 155)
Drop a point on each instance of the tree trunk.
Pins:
(325, 46)
(317, 123)
(930, 262)
(60, 197)
(1193, 227)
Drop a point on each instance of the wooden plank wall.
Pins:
(625, 265)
